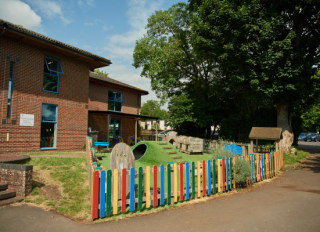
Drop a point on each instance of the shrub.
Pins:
(242, 170)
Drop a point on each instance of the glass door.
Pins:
(48, 126)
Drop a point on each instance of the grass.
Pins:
(61, 184)
(292, 159)
(56, 153)
(156, 155)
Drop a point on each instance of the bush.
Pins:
(242, 170)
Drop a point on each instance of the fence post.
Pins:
(181, 182)
(209, 177)
(198, 179)
(115, 191)
(95, 198)
(155, 186)
(169, 184)
(204, 188)
(147, 187)
(187, 181)
(109, 176)
(124, 191)
(175, 183)
(140, 195)
(102, 193)
(193, 181)
(161, 184)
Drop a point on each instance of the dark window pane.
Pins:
(111, 95)
(49, 113)
(111, 105)
(52, 66)
(118, 96)
(118, 106)
(50, 83)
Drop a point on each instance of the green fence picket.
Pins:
(140, 188)
(169, 183)
(109, 177)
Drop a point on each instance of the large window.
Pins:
(115, 100)
(10, 88)
(115, 130)
(48, 126)
(52, 70)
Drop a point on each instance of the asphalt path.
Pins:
(288, 203)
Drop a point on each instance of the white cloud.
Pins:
(18, 12)
(49, 9)
(122, 45)
(83, 3)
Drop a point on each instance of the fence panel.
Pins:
(207, 177)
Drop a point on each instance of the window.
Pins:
(115, 130)
(115, 100)
(48, 126)
(52, 70)
(10, 88)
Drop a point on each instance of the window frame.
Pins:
(10, 90)
(52, 73)
(114, 130)
(55, 122)
(114, 100)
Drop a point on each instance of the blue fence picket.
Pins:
(209, 177)
(161, 184)
(187, 181)
(132, 177)
(102, 193)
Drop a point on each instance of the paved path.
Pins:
(289, 203)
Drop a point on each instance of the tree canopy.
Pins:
(152, 108)
(229, 62)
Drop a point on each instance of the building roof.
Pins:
(19, 33)
(266, 133)
(137, 116)
(99, 77)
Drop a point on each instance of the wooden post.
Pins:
(156, 130)
(109, 119)
(251, 147)
(135, 131)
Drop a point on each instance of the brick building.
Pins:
(44, 92)
(114, 109)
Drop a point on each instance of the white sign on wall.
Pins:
(26, 119)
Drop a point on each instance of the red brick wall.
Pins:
(98, 98)
(28, 97)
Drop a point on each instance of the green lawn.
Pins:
(61, 184)
(156, 155)
(291, 159)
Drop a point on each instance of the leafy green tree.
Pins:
(167, 58)
(101, 72)
(311, 118)
(152, 108)
(265, 50)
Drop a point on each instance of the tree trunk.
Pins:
(283, 121)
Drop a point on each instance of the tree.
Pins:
(152, 108)
(167, 58)
(265, 50)
(101, 72)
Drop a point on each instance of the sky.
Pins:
(108, 28)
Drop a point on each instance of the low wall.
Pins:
(18, 177)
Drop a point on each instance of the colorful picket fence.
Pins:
(168, 184)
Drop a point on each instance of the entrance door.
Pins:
(48, 126)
